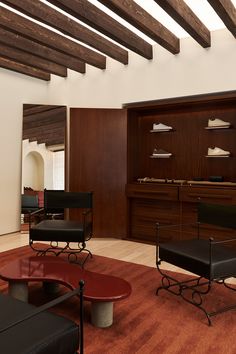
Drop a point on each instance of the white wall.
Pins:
(195, 70)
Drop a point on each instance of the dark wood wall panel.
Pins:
(98, 162)
(188, 142)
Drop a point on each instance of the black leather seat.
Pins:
(211, 260)
(60, 231)
(25, 329)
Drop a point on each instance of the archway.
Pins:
(33, 171)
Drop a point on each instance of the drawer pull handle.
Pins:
(151, 192)
(213, 196)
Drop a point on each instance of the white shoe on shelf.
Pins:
(217, 152)
(160, 153)
(161, 127)
(218, 123)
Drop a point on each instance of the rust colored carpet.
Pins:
(145, 323)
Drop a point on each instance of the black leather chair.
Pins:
(30, 208)
(211, 260)
(65, 231)
(26, 329)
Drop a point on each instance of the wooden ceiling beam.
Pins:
(186, 18)
(24, 69)
(16, 41)
(30, 109)
(20, 56)
(96, 18)
(68, 26)
(41, 116)
(141, 19)
(45, 125)
(225, 9)
(49, 141)
(54, 132)
(53, 141)
(40, 34)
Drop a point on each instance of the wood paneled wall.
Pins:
(98, 163)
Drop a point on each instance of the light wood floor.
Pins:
(129, 251)
(123, 250)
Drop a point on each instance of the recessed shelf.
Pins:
(161, 130)
(219, 127)
(160, 156)
(216, 156)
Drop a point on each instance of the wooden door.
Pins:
(98, 163)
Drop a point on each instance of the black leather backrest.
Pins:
(58, 199)
(29, 201)
(215, 214)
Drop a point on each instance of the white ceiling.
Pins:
(200, 7)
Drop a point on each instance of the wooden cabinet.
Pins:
(110, 152)
(150, 204)
(207, 194)
(170, 188)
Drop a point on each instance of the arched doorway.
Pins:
(33, 171)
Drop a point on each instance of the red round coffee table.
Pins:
(100, 289)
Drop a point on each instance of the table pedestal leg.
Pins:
(18, 290)
(102, 314)
(51, 288)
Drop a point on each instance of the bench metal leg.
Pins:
(102, 314)
(18, 290)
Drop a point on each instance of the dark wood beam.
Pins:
(53, 141)
(186, 18)
(225, 9)
(20, 56)
(30, 126)
(54, 115)
(49, 141)
(141, 19)
(42, 129)
(16, 41)
(41, 133)
(24, 69)
(96, 18)
(32, 109)
(68, 26)
(40, 34)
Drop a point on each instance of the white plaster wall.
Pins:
(194, 71)
(15, 89)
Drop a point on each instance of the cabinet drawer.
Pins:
(152, 191)
(155, 208)
(209, 195)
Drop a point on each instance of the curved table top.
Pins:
(98, 287)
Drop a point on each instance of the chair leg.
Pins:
(67, 249)
(192, 286)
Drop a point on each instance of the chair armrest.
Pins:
(214, 242)
(37, 211)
